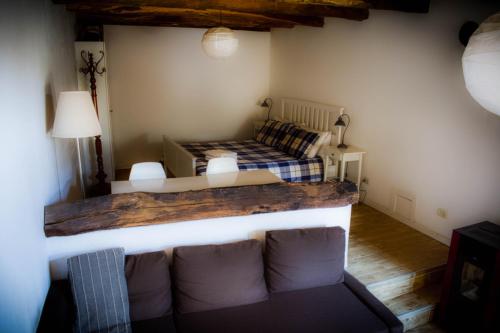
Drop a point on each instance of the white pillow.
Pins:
(324, 139)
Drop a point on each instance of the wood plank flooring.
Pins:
(381, 248)
(399, 265)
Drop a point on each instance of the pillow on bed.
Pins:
(272, 132)
(325, 137)
(298, 142)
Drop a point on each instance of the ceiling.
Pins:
(259, 15)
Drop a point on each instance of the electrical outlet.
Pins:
(442, 213)
(365, 181)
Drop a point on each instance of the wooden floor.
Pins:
(399, 265)
(381, 248)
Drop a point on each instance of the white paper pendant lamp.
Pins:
(219, 42)
(481, 64)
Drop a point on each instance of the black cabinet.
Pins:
(471, 288)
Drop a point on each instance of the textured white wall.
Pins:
(400, 78)
(36, 62)
(199, 232)
(161, 82)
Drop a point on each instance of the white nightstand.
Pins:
(343, 156)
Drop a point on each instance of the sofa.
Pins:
(297, 284)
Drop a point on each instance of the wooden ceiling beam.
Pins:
(183, 17)
(411, 6)
(317, 8)
(87, 20)
(236, 14)
(194, 19)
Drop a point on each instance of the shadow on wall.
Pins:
(149, 148)
(50, 113)
(69, 189)
(140, 148)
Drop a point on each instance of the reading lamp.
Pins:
(341, 123)
(76, 118)
(267, 103)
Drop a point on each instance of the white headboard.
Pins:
(314, 115)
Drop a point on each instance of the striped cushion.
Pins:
(272, 132)
(100, 291)
(298, 142)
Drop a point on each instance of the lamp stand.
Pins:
(80, 170)
(341, 144)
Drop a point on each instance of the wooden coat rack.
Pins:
(92, 68)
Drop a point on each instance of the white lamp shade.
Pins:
(219, 42)
(75, 116)
(481, 64)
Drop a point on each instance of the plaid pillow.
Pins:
(298, 142)
(273, 132)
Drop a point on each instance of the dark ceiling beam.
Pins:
(315, 8)
(94, 20)
(183, 17)
(410, 6)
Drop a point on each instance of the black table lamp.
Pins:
(341, 123)
(267, 103)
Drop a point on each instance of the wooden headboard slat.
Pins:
(317, 116)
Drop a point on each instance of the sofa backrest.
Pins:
(211, 277)
(304, 258)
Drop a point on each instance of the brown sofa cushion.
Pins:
(304, 258)
(328, 309)
(212, 277)
(148, 283)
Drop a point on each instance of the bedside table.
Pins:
(343, 156)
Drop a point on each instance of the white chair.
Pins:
(222, 165)
(147, 170)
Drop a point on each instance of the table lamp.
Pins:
(267, 103)
(76, 118)
(341, 124)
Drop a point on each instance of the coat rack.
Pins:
(92, 68)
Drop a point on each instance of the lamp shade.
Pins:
(481, 64)
(75, 116)
(340, 122)
(219, 42)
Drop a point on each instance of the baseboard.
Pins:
(412, 224)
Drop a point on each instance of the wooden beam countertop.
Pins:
(142, 209)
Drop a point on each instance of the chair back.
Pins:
(222, 165)
(147, 170)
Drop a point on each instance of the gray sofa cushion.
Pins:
(148, 281)
(99, 291)
(212, 277)
(304, 258)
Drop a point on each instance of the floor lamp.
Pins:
(76, 118)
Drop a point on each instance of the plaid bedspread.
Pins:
(253, 156)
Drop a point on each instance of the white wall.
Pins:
(198, 232)
(399, 77)
(161, 82)
(36, 62)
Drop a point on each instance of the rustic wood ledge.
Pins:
(142, 209)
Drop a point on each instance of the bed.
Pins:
(188, 159)
(253, 156)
